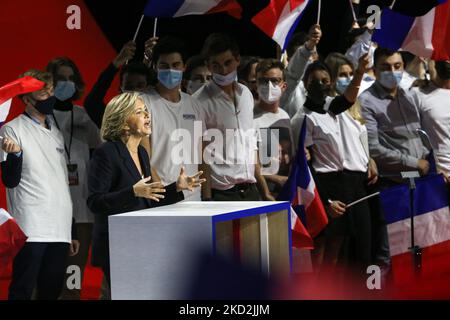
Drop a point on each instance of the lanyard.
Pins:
(71, 133)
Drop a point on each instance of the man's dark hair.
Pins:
(193, 63)
(53, 67)
(136, 67)
(245, 67)
(382, 52)
(267, 64)
(168, 45)
(218, 43)
(315, 66)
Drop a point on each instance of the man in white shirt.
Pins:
(273, 124)
(176, 122)
(233, 171)
(38, 195)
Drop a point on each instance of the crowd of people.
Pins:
(68, 167)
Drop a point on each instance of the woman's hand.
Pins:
(186, 182)
(372, 172)
(336, 208)
(151, 191)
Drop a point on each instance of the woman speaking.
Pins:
(119, 172)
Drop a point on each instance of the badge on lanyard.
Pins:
(73, 174)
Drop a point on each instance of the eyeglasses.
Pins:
(275, 81)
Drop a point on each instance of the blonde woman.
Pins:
(120, 173)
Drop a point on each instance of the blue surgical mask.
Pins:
(65, 90)
(170, 78)
(342, 83)
(225, 80)
(390, 79)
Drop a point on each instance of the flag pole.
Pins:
(353, 10)
(362, 199)
(138, 28)
(318, 13)
(392, 5)
(155, 23)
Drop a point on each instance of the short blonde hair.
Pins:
(39, 75)
(118, 110)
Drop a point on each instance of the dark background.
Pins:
(122, 17)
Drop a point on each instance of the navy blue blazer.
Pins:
(112, 174)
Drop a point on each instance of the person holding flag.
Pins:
(38, 194)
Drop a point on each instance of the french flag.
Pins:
(280, 18)
(425, 36)
(20, 86)
(301, 191)
(431, 220)
(12, 237)
(178, 8)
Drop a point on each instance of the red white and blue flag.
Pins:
(425, 36)
(20, 86)
(309, 217)
(178, 8)
(12, 237)
(280, 18)
(431, 222)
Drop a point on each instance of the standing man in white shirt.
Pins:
(38, 195)
(227, 106)
(177, 125)
(273, 124)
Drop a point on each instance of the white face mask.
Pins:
(269, 93)
(226, 79)
(193, 86)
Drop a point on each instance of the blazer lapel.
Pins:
(127, 160)
(145, 164)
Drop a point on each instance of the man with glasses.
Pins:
(273, 124)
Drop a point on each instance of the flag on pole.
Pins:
(20, 86)
(431, 223)
(12, 237)
(280, 18)
(301, 191)
(178, 8)
(425, 36)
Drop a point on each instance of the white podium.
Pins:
(154, 252)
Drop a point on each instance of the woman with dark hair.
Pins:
(81, 136)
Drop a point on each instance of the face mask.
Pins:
(317, 91)
(226, 79)
(269, 93)
(390, 79)
(342, 84)
(170, 78)
(443, 69)
(45, 106)
(64, 90)
(193, 86)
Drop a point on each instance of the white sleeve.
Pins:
(360, 47)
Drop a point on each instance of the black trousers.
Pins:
(352, 230)
(39, 265)
(240, 192)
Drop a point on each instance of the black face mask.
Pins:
(317, 92)
(443, 69)
(45, 106)
(63, 105)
